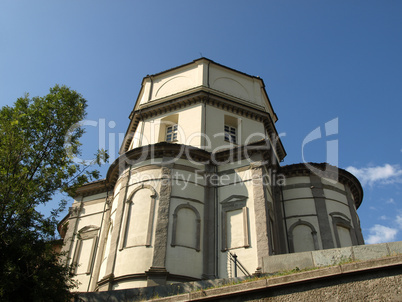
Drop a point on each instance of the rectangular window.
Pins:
(171, 133)
(230, 134)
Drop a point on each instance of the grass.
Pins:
(343, 260)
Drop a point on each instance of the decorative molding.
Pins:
(308, 185)
(261, 213)
(187, 198)
(198, 227)
(210, 97)
(109, 200)
(232, 203)
(161, 230)
(339, 214)
(180, 151)
(340, 219)
(355, 217)
(210, 226)
(300, 216)
(331, 172)
(299, 198)
(74, 211)
(313, 234)
(126, 210)
(91, 188)
(322, 212)
(117, 227)
(106, 280)
(86, 233)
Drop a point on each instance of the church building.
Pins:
(199, 180)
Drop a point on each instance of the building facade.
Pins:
(198, 179)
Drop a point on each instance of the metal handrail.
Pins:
(237, 263)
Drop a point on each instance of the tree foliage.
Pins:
(39, 139)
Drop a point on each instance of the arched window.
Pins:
(235, 231)
(343, 230)
(302, 237)
(186, 227)
(85, 249)
(344, 236)
(106, 250)
(138, 217)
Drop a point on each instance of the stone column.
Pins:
(280, 225)
(114, 244)
(209, 226)
(260, 211)
(101, 247)
(322, 213)
(353, 214)
(74, 213)
(157, 274)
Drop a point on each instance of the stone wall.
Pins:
(368, 280)
(322, 258)
(375, 286)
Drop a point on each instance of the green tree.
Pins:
(35, 163)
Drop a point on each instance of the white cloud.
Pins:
(391, 200)
(380, 234)
(398, 220)
(383, 217)
(386, 174)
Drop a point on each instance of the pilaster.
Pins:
(260, 212)
(280, 224)
(353, 214)
(111, 260)
(322, 212)
(157, 273)
(103, 236)
(209, 226)
(67, 248)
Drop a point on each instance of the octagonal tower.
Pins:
(199, 179)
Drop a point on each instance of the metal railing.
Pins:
(237, 264)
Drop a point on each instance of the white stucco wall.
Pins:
(90, 215)
(236, 184)
(300, 206)
(185, 260)
(236, 84)
(171, 82)
(210, 76)
(152, 130)
(129, 284)
(248, 130)
(134, 249)
(190, 129)
(134, 223)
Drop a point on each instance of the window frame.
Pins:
(174, 243)
(230, 134)
(151, 217)
(171, 130)
(86, 233)
(232, 203)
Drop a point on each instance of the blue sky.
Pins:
(320, 61)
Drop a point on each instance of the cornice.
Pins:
(91, 188)
(159, 150)
(199, 60)
(176, 151)
(212, 98)
(327, 171)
